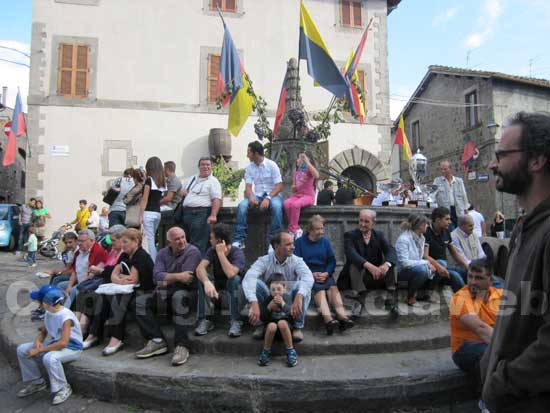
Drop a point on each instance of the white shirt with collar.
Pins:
(202, 191)
(460, 238)
(264, 176)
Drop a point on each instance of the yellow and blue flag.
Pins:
(320, 65)
(233, 79)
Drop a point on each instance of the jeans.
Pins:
(31, 257)
(23, 232)
(151, 221)
(416, 277)
(196, 226)
(293, 206)
(117, 218)
(74, 291)
(57, 279)
(468, 355)
(53, 362)
(149, 304)
(276, 208)
(232, 286)
(264, 297)
(456, 281)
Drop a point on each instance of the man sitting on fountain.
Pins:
(265, 175)
(370, 261)
(298, 278)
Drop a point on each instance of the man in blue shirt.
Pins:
(263, 185)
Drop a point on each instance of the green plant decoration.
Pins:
(230, 179)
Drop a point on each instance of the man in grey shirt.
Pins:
(298, 278)
(171, 197)
(117, 211)
(25, 218)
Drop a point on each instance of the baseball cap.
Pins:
(40, 293)
(54, 296)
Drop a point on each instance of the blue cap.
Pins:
(54, 296)
(39, 294)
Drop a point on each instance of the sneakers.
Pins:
(297, 335)
(204, 327)
(38, 316)
(62, 395)
(41, 274)
(259, 332)
(238, 244)
(235, 329)
(265, 357)
(181, 354)
(152, 349)
(291, 357)
(32, 388)
(32, 266)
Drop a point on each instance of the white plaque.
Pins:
(60, 150)
(423, 204)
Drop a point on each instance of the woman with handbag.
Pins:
(115, 197)
(87, 302)
(132, 200)
(134, 268)
(39, 216)
(155, 185)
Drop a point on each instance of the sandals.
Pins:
(330, 326)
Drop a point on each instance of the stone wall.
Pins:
(338, 220)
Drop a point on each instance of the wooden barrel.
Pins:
(219, 143)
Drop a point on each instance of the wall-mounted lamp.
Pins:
(493, 126)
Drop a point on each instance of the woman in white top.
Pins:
(411, 267)
(150, 201)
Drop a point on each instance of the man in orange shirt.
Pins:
(473, 313)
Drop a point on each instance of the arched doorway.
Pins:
(361, 176)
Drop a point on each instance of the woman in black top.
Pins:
(134, 267)
(150, 201)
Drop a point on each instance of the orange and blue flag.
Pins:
(232, 78)
(18, 128)
(320, 65)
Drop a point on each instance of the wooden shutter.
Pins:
(73, 70)
(224, 5)
(357, 9)
(65, 70)
(213, 70)
(345, 12)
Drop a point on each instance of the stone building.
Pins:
(114, 82)
(451, 106)
(12, 177)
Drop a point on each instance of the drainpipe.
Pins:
(4, 95)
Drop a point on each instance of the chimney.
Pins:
(4, 95)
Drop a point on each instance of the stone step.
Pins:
(359, 340)
(378, 382)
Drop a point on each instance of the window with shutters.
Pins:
(415, 135)
(73, 70)
(351, 13)
(213, 70)
(472, 118)
(224, 5)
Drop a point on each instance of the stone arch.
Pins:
(357, 157)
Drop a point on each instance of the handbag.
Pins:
(177, 215)
(112, 194)
(90, 284)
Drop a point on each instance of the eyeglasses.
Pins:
(503, 152)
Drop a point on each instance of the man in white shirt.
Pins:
(465, 241)
(451, 192)
(263, 185)
(479, 222)
(203, 198)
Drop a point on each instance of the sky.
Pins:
(498, 35)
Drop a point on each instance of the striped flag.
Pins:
(18, 128)
(401, 139)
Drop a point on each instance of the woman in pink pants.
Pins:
(303, 188)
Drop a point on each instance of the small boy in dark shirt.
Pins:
(279, 315)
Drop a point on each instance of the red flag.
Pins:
(280, 108)
(18, 128)
(470, 153)
(401, 139)
(358, 52)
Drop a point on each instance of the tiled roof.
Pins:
(392, 5)
(482, 73)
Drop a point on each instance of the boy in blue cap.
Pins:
(64, 345)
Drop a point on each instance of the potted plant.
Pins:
(230, 179)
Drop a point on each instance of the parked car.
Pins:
(9, 225)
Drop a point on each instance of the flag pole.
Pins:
(220, 13)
